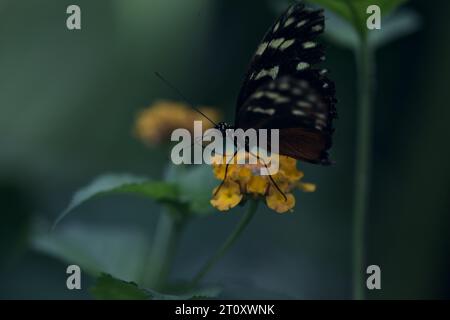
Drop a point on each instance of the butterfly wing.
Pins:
(300, 109)
(287, 46)
(282, 89)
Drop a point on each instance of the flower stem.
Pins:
(162, 250)
(228, 242)
(365, 69)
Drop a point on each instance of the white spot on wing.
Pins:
(298, 113)
(287, 44)
(284, 86)
(291, 10)
(320, 123)
(297, 91)
(309, 45)
(303, 66)
(276, 43)
(275, 29)
(301, 23)
(262, 47)
(271, 72)
(261, 110)
(261, 74)
(317, 28)
(258, 95)
(277, 98)
(282, 100)
(289, 22)
(304, 104)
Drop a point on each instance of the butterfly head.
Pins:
(223, 127)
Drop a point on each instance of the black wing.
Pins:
(283, 90)
(288, 48)
(300, 109)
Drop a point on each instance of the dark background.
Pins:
(68, 100)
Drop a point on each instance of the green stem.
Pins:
(162, 252)
(228, 242)
(365, 68)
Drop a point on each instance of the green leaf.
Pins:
(355, 11)
(339, 7)
(397, 25)
(341, 32)
(118, 251)
(195, 186)
(122, 184)
(192, 294)
(109, 288)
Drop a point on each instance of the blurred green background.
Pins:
(68, 100)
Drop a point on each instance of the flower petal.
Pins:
(257, 185)
(307, 187)
(277, 202)
(246, 179)
(155, 124)
(228, 196)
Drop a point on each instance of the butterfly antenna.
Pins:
(182, 96)
(197, 142)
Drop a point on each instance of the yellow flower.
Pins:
(257, 185)
(228, 196)
(155, 124)
(277, 202)
(244, 181)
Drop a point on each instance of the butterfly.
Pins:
(284, 89)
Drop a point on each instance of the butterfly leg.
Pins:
(275, 184)
(237, 146)
(270, 177)
(225, 176)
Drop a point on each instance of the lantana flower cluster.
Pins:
(155, 124)
(244, 180)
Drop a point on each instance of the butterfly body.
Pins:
(284, 90)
